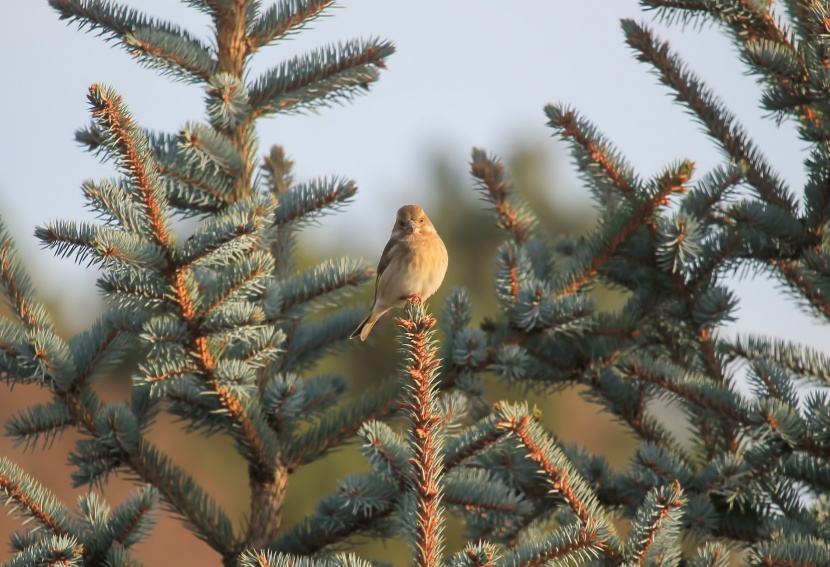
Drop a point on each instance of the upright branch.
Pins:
(515, 218)
(608, 174)
(421, 399)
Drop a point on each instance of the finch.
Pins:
(411, 267)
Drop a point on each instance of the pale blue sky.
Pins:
(466, 73)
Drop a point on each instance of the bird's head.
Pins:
(411, 220)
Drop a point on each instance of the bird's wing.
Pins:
(385, 260)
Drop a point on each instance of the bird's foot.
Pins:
(414, 299)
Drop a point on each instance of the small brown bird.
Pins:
(412, 266)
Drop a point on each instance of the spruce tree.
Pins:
(228, 328)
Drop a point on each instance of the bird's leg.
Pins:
(414, 299)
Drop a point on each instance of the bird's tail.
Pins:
(365, 327)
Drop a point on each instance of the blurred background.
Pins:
(465, 74)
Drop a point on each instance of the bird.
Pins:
(411, 268)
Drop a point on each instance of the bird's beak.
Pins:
(411, 226)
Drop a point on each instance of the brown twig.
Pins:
(490, 173)
(569, 127)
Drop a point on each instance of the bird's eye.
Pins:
(402, 223)
(422, 219)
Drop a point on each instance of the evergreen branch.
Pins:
(228, 237)
(512, 269)
(62, 550)
(796, 551)
(306, 202)
(246, 275)
(476, 491)
(363, 504)
(719, 123)
(268, 558)
(748, 21)
(106, 245)
(278, 171)
(702, 332)
(559, 474)
(288, 399)
(754, 216)
(50, 357)
(600, 164)
(712, 554)
(479, 554)
(160, 373)
(205, 148)
(236, 320)
(14, 353)
(192, 191)
(472, 441)
(249, 426)
(319, 78)
(518, 220)
(131, 287)
(716, 398)
(810, 470)
(647, 427)
(627, 221)
(795, 277)
(120, 443)
(33, 501)
(320, 393)
(282, 19)
(425, 435)
(113, 202)
(122, 556)
(537, 309)
(133, 156)
(18, 288)
(228, 101)
(155, 43)
(324, 281)
(569, 544)
(46, 421)
(340, 424)
(722, 248)
(173, 53)
(799, 359)
(660, 511)
(93, 140)
(816, 198)
(679, 243)
(710, 190)
(19, 541)
(387, 451)
(312, 340)
(202, 413)
(131, 521)
(210, 7)
(187, 186)
(184, 497)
